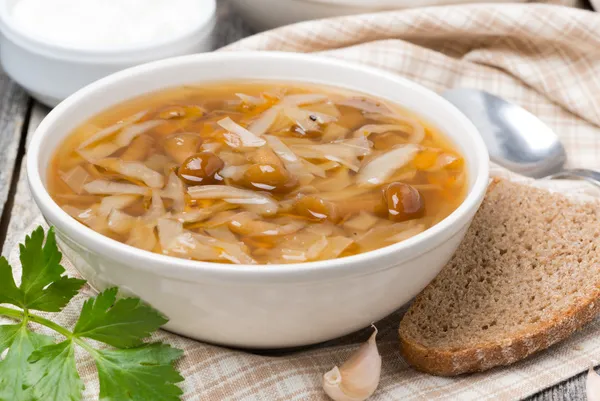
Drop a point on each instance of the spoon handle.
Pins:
(589, 175)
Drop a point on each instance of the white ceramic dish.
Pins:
(268, 14)
(261, 306)
(51, 72)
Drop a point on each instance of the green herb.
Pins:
(37, 368)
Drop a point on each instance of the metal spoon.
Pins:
(515, 138)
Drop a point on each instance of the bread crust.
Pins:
(453, 362)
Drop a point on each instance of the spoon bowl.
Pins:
(515, 138)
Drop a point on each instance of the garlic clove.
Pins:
(358, 378)
(593, 386)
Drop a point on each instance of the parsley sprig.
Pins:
(37, 367)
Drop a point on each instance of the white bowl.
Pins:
(261, 306)
(269, 14)
(51, 72)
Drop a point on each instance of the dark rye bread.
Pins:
(526, 276)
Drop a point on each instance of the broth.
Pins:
(257, 173)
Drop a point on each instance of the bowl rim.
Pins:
(161, 264)
(384, 5)
(52, 50)
(360, 4)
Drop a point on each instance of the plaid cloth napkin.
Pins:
(545, 58)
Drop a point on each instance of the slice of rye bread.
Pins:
(526, 276)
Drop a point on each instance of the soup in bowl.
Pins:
(260, 173)
(259, 199)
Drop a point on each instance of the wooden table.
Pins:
(19, 117)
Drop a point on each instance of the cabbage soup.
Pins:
(257, 173)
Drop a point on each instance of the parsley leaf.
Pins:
(20, 342)
(9, 293)
(53, 375)
(122, 324)
(139, 374)
(43, 286)
(7, 336)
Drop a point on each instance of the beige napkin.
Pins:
(545, 58)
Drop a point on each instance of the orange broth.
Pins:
(257, 173)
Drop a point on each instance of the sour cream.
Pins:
(107, 24)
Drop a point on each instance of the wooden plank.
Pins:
(570, 390)
(38, 112)
(230, 26)
(14, 106)
(24, 210)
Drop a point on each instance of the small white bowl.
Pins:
(50, 72)
(262, 306)
(269, 14)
